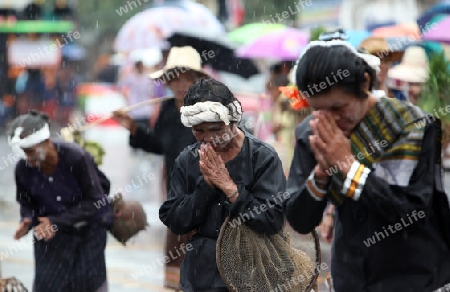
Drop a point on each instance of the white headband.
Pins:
(17, 144)
(373, 61)
(209, 111)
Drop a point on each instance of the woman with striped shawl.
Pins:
(380, 166)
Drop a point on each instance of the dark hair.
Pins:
(174, 73)
(278, 67)
(278, 80)
(208, 89)
(31, 122)
(337, 66)
(138, 64)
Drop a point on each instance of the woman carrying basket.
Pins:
(227, 172)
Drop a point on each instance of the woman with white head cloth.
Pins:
(58, 184)
(227, 172)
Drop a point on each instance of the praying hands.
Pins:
(329, 144)
(214, 170)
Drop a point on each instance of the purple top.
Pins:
(68, 195)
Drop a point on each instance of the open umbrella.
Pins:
(355, 37)
(215, 51)
(399, 30)
(427, 17)
(151, 27)
(282, 45)
(440, 33)
(249, 32)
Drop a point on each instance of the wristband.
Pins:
(233, 194)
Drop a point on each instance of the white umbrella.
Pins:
(149, 57)
(150, 28)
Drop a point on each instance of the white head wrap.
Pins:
(372, 60)
(209, 111)
(17, 144)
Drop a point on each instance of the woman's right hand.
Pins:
(125, 121)
(321, 178)
(23, 228)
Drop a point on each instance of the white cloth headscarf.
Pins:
(17, 144)
(209, 111)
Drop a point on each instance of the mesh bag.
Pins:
(129, 219)
(252, 262)
(12, 285)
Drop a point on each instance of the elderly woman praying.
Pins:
(227, 173)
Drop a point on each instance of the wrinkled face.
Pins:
(37, 154)
(181, 84)
(217, 134)
(346, 109)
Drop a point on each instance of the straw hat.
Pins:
(181, 57)
(379, 45)
(414, 66)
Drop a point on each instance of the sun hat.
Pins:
(184, 58)
(379, 46)
(414, 66)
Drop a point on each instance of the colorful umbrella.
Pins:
(440, 32)
(427, 17)
(399, 30)
(355, 37)
(249, 32)
(150, 28)
(282, 45)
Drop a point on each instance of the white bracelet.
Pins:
(233, 194)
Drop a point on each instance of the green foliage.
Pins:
(266, 10)
(94, 148)
(102, 16)
(435, 94)
(316, 32)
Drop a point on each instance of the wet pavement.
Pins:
(126, 265)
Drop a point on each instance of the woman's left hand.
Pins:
(45, 229)
(214, 169)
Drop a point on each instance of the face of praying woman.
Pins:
(217, 134)
(346, 109)
(38, 154)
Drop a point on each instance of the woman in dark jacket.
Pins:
(227, 172)
(169, 136)
(58, 185)
(378, 161)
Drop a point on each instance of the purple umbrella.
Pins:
(440, 33)
(282, 45)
